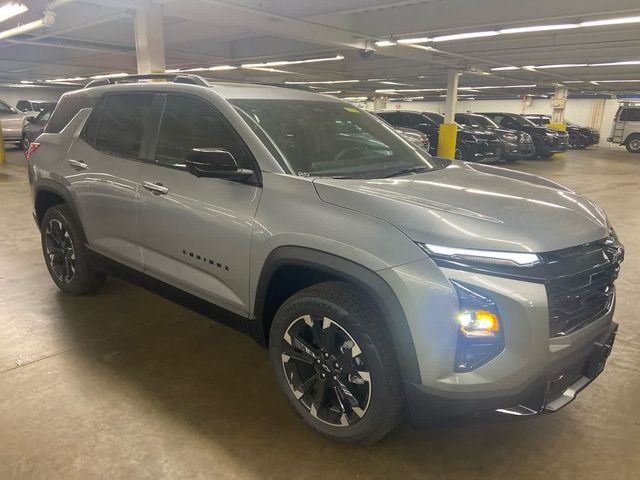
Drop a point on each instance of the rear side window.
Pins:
(122, 123)
(189, 122)
(630, 115)
(66, 109)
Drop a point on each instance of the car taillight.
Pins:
(33, 146)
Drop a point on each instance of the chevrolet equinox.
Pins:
(382, 280)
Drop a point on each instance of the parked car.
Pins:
(515, 144)
(472, 145)
(34, 126)
(12, 121)
(381, 279)
(579, 137)
(415, 136)
(34, 107)
(546, 140)
(626, 128)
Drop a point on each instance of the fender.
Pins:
(47, 185)
(344, 269)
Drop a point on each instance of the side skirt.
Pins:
(176, 295)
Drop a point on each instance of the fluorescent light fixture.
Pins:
(384, 43)
(522, 259)
(500, 69)
(539, 28)
(410, 41)
(613, 64)
(409, 90)
(563, 65)
(221, 67)
(271, 70)
(71, 79)
(12, 9)
(405, 99)
(491, 87)
(280, 63)
(615, 81)
(610, 21)
(109, 75)
(376, 79)
(463, 36)
(26, 81)
(387, 82)
(319, 82)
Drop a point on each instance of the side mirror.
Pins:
(216, 163)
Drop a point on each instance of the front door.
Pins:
(196, 232)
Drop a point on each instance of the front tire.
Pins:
(65, 254)
(335, 363)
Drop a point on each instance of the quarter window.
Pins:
(189, 122)
(122, 123)
(630, 115)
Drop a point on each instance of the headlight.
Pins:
(486, 257)
(480, 336)
(510, 137)
(550, 135)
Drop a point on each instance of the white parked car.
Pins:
(626, 128)
(12, 121)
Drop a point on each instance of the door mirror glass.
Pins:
(216, 163)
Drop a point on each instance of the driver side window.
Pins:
(189, 122)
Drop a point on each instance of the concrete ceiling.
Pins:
(97, 36)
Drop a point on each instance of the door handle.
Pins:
(77, 164)
(155, 188)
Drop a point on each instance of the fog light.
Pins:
(478, 323)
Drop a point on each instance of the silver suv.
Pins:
(626, 128)
(381, 279)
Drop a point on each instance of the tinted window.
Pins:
(122, 123)
(189, 122)
(67, 108)
(630, 115)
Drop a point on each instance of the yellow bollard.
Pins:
(447, 140)
(3, 157)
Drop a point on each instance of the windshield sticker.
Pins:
(351, 109)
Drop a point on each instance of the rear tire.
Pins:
(65, 253)
(633, 143)
(335, 363)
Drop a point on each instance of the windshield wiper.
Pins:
(405, 171)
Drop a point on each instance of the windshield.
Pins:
(482, 121)
(317, 138)
(522, 121)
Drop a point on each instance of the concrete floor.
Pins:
(125, 384)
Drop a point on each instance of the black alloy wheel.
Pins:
(326, 370)
(60, 251)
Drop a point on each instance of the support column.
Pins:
(379, 103)
(448, 130)
(558, 104)
(149, 39)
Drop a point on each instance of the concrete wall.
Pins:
(11, 94)
(580, 111)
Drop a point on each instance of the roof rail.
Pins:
(170, 77)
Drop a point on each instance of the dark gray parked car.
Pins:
(382, 280)
(34, 126)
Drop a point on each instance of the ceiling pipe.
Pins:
(46, 21)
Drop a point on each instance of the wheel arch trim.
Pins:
(343, 269)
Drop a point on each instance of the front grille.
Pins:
(578, 299)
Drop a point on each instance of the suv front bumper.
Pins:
(535, 371)
(556, 387)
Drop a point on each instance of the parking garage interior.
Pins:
(127, 384)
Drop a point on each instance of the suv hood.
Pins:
(474, 206)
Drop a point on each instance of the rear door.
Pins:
(102, 169)
(196, 232)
